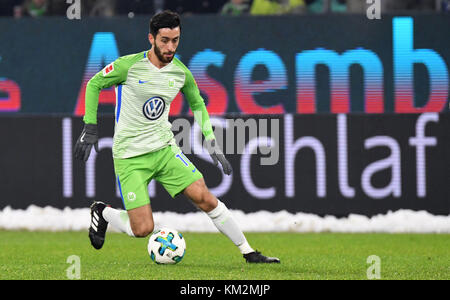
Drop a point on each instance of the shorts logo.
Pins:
(131, 196)
(154, 108)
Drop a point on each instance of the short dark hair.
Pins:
(164, 19)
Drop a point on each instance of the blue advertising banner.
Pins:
(300, 65)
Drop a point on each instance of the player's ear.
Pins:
(151, 39)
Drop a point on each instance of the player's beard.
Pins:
(161, 57)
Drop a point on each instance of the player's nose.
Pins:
(171, 47)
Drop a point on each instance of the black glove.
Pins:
(217, 156)
(87, 139)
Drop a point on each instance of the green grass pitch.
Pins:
(43, 255)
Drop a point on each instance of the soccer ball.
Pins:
(166, 246)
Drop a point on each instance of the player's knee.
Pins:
(143, 230)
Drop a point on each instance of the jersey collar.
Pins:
(152, 65)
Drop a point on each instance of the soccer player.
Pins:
(144, 147)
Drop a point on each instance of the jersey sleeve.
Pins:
(197, 105)
(113, 74)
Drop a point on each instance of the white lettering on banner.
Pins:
(292, 146)
(393, 162)
(346, 190)
(260, 193)
(420, 141)
(152, 188)
(67, 157)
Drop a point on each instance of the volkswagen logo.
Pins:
(154, 108)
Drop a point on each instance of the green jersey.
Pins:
(143, 97)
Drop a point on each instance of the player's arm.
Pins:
(201, 116)
(197, 105)
(112, 74)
